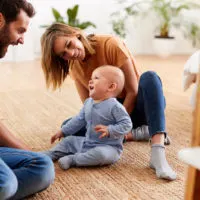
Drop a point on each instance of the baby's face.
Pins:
(98, 85)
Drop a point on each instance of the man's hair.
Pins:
(11, 8)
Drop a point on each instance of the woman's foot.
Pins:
(159, 163)
(142, 134)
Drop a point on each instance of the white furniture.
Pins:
(190, 156)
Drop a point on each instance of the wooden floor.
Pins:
(34, 114)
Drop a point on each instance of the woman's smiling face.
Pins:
(69, 48)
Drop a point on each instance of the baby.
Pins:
(106, 121)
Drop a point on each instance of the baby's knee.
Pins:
(8, 185)
(106, 158)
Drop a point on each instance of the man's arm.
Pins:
(7, 139)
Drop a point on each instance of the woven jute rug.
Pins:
(34, 114)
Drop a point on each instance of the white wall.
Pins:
(96, 11)
(139, 37)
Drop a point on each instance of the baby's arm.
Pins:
(71, 127)
(103, 130)
(122, 126)
(123, 123)
(76, 123)
(58, 136)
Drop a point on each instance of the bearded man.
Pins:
(22, 172)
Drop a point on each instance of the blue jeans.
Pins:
(149, 107)
(23, 173)
(150, 104)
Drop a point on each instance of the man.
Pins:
(22, 172)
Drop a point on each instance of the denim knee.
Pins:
(46, 174)
(151, 84)
(9, 185)
(149, 76)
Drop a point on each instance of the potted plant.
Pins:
(71, 18)
(191, 32)
(168, 16)
(118, 25)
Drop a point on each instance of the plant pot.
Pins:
(164, 46)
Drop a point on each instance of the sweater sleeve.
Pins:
(75, 124)
(123, 123)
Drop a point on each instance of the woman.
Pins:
(67, 50)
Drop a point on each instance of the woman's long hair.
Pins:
(55, 68)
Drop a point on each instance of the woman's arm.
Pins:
(82, 91)
(7, 139)
(131, 85)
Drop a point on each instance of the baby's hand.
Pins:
(58, 135)
(103, 130)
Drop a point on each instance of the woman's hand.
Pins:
(58, 136)
(103, 130)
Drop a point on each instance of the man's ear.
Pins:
(112, 87)
(2, 20)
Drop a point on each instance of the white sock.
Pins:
(159, 163)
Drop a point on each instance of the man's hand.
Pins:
(103, 130)
(58, 135)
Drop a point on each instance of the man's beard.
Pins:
(4, 40)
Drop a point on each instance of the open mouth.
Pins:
(91, 87)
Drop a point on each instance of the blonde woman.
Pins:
(68, 50)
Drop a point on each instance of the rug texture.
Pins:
(34, 114)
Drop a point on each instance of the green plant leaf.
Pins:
(72, 14)
(72, 19)
(192, 33)
(118, 26)
(85, 25)
(57, 16)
